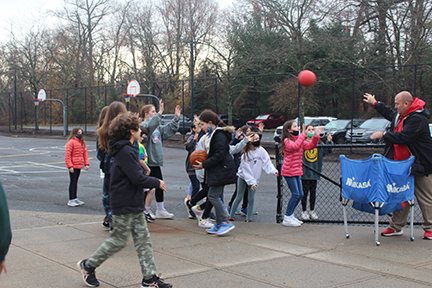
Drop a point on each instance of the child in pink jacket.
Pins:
(292, 145)
(76, 158)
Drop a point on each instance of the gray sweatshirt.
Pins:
(157, 134)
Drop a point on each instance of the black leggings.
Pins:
(73, 183)
(157, 172)
(207, 205)
(309, 186)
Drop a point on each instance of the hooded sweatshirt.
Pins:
(410, 133)
(127, 179)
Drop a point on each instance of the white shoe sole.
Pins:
(291, 224)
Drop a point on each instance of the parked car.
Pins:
(237, 122)
(314, 121)
(270, 120)
(364, 131)
(338, 129)
(185, 122)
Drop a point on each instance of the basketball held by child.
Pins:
(198, 155)
(307, 78)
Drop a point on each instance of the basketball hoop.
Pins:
(36, 102)
(133, 89)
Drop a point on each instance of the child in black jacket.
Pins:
(127, 204)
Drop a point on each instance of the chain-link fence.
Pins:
(328, 206)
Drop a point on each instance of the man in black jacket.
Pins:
(409, 135)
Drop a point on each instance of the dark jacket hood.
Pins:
(116, 146)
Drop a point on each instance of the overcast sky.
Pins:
(21, 9)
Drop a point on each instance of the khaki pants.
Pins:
(423, 194)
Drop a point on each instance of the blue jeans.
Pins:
(294, 184)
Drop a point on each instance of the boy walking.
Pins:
(127, 204)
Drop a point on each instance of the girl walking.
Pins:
(253, 159)
(219, 166)
(76, 158)
(292, 145)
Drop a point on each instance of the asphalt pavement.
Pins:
(50, 237)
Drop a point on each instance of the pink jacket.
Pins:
(293, 159)
(76, 155)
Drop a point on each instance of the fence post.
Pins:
(279, 216)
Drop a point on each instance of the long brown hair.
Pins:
(248, 146)
(102, 117)
(146, 109)
(208, 115)
(286, 134)
(73, 134)
(114, 109)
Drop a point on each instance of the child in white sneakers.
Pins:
(254, 158)
(292, 145)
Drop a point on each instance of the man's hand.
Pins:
(319, 130)
(178, 112)
(260, 128)
(369, 98)
(377, 135)
(198, 165)
(329, 138)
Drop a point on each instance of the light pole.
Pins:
(15, 92)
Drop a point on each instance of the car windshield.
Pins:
(374, 123)
(307, 121)
(261, 117)
(338, 124)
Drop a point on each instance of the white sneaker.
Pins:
(198, 213)
(304, 215)
(289, 221)
(163, 214)
(295, 219)
(73, 203)
(152, 215)
(313, 215)
(79, 201)
(205, 223)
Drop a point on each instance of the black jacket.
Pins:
(415, 134)
(127, 179)
(219, 167)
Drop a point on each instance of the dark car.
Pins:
(364, 131)
(271, 120)
(338, 129)
(237, 122)
(185, 122)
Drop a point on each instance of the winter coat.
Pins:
(415, 134)
(219, 167)
(76, 155)
(293, 159)
(127, 179)
(5, 228)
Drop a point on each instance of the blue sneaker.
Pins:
(225, 228)
(229, 210)
(243, 211)
(237, 212)
(214, 229)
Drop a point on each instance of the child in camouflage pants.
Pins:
(127, 205)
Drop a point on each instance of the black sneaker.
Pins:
(188, 205)
(105, 222)
(149, 218)
(155, 281)
(89, 275)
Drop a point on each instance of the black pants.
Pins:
(73, 183)
(157, 172)
(245, 197)
(309, 186)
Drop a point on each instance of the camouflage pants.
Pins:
(124, 224)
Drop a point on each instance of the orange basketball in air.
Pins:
(198, 155)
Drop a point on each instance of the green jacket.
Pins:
(314, 159)
(5, 229)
